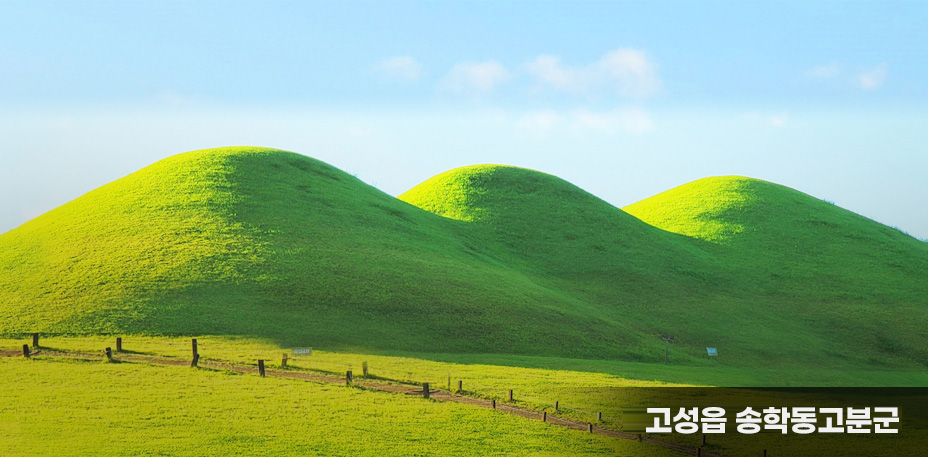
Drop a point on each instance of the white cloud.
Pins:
(633, 120)
(627, 72)
(474, 77)
(634, 73)
(400, 68)
(548, 69)
(872, 78)
(825, 71)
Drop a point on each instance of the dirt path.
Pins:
(378, 385)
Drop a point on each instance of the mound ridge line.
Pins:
(482, 259)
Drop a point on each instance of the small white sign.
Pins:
(712, 352)
(302, 351)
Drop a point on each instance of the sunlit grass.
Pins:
(61, 408)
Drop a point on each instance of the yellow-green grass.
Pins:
(479, 260)
(537, 382)
(137, 403)
(535, 388)
(60, 408)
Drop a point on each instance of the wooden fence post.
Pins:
(195, 360)
(109, 354)
(425, 389)
(591, 427)
(261, 367)
(544, 416)
(26, 350)
(35, 340)
(348, 377)
(364, 368)
(510, 394)
(283, 361)
(639, 437)
(460, 385)
(556, 403)
(599, 416)
(193, 344)
(118, 344)
(699, 452)
(703, 439)
(765, 453)
(493, 403)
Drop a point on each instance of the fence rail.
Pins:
(382, 379)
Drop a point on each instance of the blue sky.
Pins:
(624, 99)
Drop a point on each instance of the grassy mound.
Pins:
(484, 259)
(856, 285)
(272, 243)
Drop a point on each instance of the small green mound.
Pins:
(849, 279)
(782, 228)
(707, 209)
(497, 193)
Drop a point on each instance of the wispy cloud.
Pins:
(825, 71)
(626, 72)
(400, 68)
(549, 71)
(470, 77)
(872, 78)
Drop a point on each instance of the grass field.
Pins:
(54, 408)
(136, 408)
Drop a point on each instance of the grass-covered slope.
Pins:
(272, 243)
(484, 259)
(859, 286)
(574, 239)
(627, 274)
(554, 225)
(768, 274)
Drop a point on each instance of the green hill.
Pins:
(483, 259)
(611, 260)
(855, 284)
(272, 243)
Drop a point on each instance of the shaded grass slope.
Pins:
(857, 285)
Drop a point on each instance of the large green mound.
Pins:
(479, 259)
